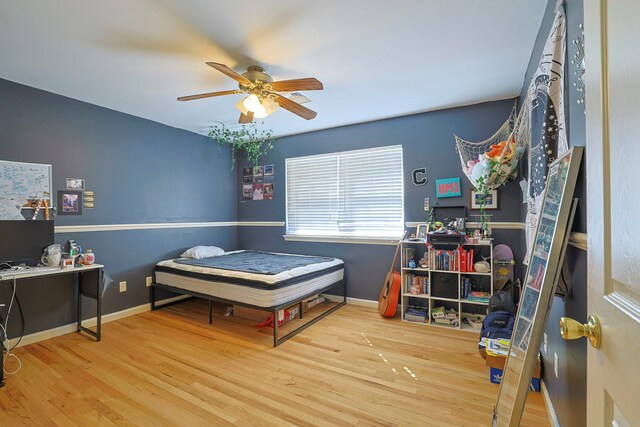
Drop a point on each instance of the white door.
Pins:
(612, 57)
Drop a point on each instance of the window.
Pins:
(354, 194)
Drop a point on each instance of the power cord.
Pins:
(9, 351)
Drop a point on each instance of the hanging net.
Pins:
(493, 162)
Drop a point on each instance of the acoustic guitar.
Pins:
(388, 301)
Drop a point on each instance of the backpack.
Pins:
(498, 324)
(502, 300)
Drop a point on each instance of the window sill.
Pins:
(336, 239)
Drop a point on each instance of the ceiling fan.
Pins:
(263, 96)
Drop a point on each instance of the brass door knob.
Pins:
(571, 330)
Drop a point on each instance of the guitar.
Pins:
(388, 301)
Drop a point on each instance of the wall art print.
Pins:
(545, 99)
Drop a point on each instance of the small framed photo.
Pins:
(267, 191)
(258, 174)
(69, 202)
(421, 231)
(477, 199)
(247, 192)
(268, 173)
(75, 184)
(247, 175)
(258, 192)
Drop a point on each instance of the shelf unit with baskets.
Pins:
(436, 283)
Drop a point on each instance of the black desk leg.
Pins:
(99, 286)
(79, 278)
(1, 366)
(99, 304)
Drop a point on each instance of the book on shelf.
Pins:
(407, 255)
(438, 312)
(479, 296)
(445, 317)
(444, 260)
(465, 287)
(475, 299)
(466, 260)
(417, 284)
(415, 315)
(473, 322)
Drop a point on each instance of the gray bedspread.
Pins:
(255, 262)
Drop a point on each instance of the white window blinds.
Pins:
(351, 194)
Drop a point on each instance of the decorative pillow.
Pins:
(199, 252)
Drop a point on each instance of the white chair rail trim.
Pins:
(163, 225)
(496, 225)
(339, 239)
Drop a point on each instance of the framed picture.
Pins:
(247, 192)
(421, 231)
(69, 202)
(476, 199)
(267, 191)
(257, 192)
(448, 187)
(247, 175)
(75, 184)
(258, 174)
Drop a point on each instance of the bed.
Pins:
(261, 280)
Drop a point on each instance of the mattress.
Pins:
(262, 290)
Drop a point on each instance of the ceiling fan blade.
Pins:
(229, 72)
(208, 95)
(246, 118)
(295, 108)
(309, 83)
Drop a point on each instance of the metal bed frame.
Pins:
(274, 310)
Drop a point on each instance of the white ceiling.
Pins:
(376, 58)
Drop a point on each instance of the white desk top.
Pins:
(21, 274)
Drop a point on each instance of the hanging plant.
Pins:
(249, 139)
(483, 189)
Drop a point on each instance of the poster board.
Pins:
(19, 182)
(545, 264)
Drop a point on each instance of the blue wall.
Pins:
(141, 172)
(568, 392)
(427, 141)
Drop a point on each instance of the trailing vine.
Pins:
(248, 139)
(483, 189)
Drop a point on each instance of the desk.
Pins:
(84, 289)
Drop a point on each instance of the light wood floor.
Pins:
(169, 367)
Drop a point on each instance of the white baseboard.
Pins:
(73, 327)
(553, 418)
(354, 301)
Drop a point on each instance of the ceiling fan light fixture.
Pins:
(269, 105)
(252, 103)
(263, 95)
(240, 106)
(260, 113)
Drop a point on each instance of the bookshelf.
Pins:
(439, 283)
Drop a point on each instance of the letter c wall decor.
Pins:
(419, 180)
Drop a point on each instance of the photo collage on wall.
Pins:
(257, 183)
